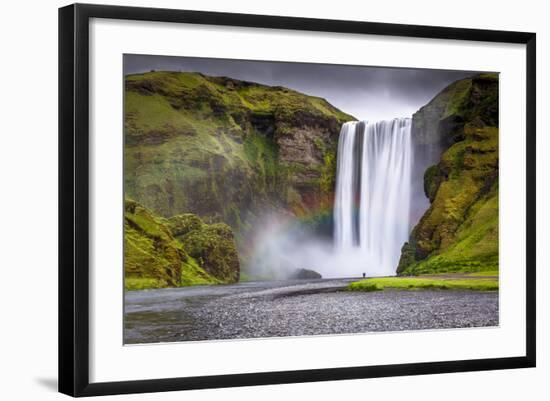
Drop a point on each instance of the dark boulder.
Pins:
(302, 274)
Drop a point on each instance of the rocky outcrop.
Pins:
(459, 231)
(211, 245)
(224, 149)
(177, 252)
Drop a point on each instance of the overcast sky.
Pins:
(368, 93)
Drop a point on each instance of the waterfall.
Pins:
(373, 193)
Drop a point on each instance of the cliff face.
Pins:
(224, 149)
(459, 231)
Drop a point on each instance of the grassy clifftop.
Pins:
(459, 231)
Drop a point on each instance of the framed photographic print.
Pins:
(230, 206)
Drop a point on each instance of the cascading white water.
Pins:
(373, 191)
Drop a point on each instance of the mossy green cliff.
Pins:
(176, 252)
(226, 149)
(459, 231)
(211, 245)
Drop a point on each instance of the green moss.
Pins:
(155, 258)
(476, 244)
(417, 283)
(261, 154)
(213, 247)
(141, 283)
(152, 119)
(184, 223)
(432, 180)
(483, 104)
(459, 232)
(150, 250)
(193, 274)
(471, 247)
(327, 180)
(459, 92)
(407, 259)
(365, 286)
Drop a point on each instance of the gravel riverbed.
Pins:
(296, 308)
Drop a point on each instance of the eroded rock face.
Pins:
(459, 230)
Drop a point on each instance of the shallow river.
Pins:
(294, 308)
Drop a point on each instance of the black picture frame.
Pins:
(74, 198)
